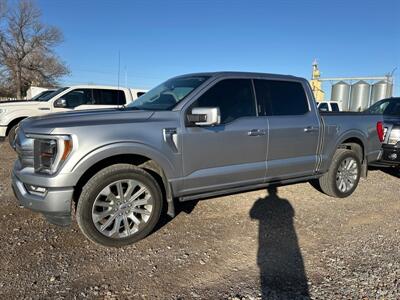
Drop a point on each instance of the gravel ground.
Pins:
(293, 243)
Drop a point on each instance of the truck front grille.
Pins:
(24, 149)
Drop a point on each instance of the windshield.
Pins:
(39, 96)
(390, 107)
(48, 96)
(168, 94)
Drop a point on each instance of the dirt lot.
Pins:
(303, 243)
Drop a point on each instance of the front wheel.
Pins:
(119, 206)
(11, 135)
(343, 176)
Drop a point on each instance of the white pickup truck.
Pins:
(76, 97)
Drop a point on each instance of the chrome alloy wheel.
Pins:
(347, 174)
(122, 208)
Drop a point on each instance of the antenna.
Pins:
(119, 69)
(126, 78)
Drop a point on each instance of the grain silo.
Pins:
(380, 90)
(341, 93)
(359, 96)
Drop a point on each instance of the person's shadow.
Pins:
(279, 256)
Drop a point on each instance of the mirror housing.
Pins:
(204, 116)
(60, 103)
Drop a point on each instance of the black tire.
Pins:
(11, 135)
(97, 183)
(327, 183)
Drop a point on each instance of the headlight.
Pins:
(50, 152)
(3, 110)
(394, 137)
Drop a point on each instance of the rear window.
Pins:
(335, 107)
(281, 98)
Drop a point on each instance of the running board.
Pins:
(242, 189)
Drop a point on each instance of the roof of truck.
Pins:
(242, 74)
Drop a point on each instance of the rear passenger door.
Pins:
(294, 128)
(232, 153)
(107, 98)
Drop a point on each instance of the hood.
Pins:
(16, 103)
(60, 122)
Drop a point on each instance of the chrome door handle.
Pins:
(311, 129)
(256, 132)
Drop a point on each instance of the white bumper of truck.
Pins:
(3, 130)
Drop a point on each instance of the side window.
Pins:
(78, 97)
(108, 97)
(234, 97)
(281, 98)
(323, 107)
(335, 107)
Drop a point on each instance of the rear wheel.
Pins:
(343, 176)
(119, 206)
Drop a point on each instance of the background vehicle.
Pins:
(64, 99)
(329, 106)
(194, 136)
(41, 95)
(390, 110)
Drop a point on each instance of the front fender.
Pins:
(123, 148)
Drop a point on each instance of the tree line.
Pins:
(27, 55)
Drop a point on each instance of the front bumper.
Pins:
(54, 204)
(3, 131)
(390, 156)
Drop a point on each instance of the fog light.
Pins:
(36, 190)
(393, 156)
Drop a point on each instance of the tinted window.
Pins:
(378, 107)
(108, 97)
(234, 97)
(335, 107)
(323, 107)
(281, 97)
(78, 97)
(394, 109)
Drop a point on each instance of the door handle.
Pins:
(256, 132)
(311, 129)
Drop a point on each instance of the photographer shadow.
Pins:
(279, 257)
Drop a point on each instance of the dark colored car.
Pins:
(390, 110)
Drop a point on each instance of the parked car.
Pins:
(390, 110)
(329, 106)
(64, 99)
(194, 136)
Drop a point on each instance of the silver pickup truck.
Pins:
(194, 136)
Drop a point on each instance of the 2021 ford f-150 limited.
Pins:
(194, 136)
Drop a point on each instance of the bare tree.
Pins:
(26, 48)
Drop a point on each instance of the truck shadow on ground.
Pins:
(279, 257)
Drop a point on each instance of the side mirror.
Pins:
(204, 116)
(60, 103)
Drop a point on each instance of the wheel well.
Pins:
(141, 161)
(354, 144)
(13, 123)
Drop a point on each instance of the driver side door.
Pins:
(232, 153)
